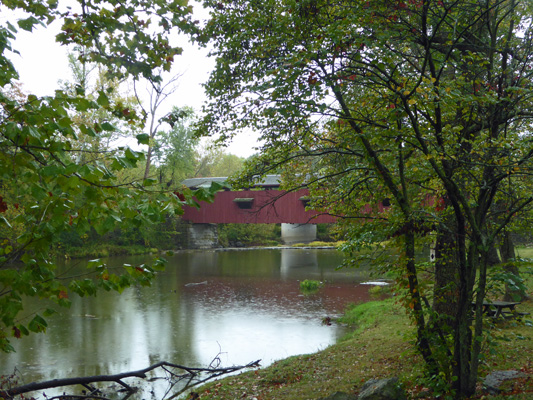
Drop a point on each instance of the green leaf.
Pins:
(28, 23)
(51, 170)
(84, 104)
(49, 312)
(5, 221)
(116, 217)
(217, 187)
(143, 138)
(23, 330)
(103, 99)
(87, 130)
(11, 27)
(132, 155)
(106, 126)
(37, 324)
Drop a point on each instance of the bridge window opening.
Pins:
(244, 203)
(304, 200)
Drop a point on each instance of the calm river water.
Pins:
(247, 307)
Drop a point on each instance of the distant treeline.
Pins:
(172, 235)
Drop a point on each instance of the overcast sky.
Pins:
(42, 63)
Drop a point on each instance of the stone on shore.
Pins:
(382, 389)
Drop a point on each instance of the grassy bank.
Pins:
(106, 250)
(379, 346)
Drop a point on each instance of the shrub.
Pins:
(248, 234)
(310, 286)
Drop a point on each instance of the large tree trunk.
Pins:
(463, 334)
(446, 279)
(507, 252)
(423, 342)
(492, 256)
(446, 289)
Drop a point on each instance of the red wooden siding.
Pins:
(268, 207)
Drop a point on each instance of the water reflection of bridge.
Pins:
(263, 203)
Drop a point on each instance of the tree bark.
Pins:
(446, 289)
(423, 344)
(446, 280)
(492, 256)
(507, 252)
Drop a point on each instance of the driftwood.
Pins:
(191, 377)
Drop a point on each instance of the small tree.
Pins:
(424, 103)
(158, 92)
(50, 182)
(176, 150)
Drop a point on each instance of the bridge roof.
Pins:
(269, 181)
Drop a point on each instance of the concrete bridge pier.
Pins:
(298, 233)
(203, 236)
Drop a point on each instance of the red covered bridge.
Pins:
(262, 204)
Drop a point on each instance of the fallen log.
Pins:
(190, 375)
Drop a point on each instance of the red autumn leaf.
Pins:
(16, 332)
(440, 204)
(180, 196)
(62, 295)
(3, 205)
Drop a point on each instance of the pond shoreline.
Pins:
(258, 248)
(376, 348)
(104, 252)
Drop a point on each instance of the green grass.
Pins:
(524, 252)
(104, 250)
(318, 244)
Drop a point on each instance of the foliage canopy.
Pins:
(50, 181)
